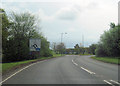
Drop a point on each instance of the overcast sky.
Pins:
(76, 17)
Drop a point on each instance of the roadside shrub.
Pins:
(109, 42)
(100, 52)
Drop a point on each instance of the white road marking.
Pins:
(115, 82)
(88, 71)
(74, 63)
(20, 71)
(108, 82)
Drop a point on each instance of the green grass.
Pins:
(57, 55)
(85, 54)
(8, 66)
(108, 59)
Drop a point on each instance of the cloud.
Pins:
(71, 30)
(10, 9)
(92, 5)
(15, 7)
(45, 18)
(73, 11)
(88, 17)
(68, 13)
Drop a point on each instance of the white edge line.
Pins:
(20, 71)
(108, 82)
(115, 82)
(88, 71)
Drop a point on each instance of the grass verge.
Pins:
(85, 54)
(107, 59)
(9, 66)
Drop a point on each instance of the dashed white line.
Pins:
(87, 70)
(115, 82)
(108, 82)
(19, 71)
(74, 63)
(95, 73)
(83, 68)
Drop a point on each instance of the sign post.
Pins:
(34, 45)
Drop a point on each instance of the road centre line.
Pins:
(87, 70)
(108, 82)
(20, 71)
(95, 73)
(83, 68)
(74, 63)
(115, 82)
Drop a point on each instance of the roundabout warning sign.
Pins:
(35, 44)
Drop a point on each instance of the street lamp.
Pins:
(62, 36)
(62, 39)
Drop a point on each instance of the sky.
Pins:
(86, 19)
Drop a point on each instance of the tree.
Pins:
(92, 48)
(45, 51)
(77, 49)
(70, 51)
(53, 46)
(5, 27)
(112, 25)
(60, 48)
(100, 52)
(110, 42)
(23, 27)
(24, 24)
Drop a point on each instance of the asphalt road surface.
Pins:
(70, 69)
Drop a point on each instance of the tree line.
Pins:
(108, 45)
(17, 29)
(60, 48)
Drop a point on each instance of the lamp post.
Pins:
(62, 36)
(61, 40)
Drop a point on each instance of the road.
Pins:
(69, 69)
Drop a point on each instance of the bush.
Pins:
(17, 50)
(45, 51)
(100, 52)
(92, 48)
(109, 43)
